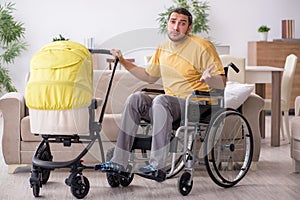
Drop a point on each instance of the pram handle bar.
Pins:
(100, 51)
(108, 90)
(105, 51)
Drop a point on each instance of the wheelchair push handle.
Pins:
(233, 66)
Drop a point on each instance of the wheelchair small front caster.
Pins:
(185, 183)
(113, 180)
(125, 181)
(80, 187)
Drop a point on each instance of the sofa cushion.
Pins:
(124, 84)
(26, 134)
(236, 94)
(295, 149)
(295, 127)
(110, 127)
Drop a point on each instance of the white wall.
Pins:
(232, 22)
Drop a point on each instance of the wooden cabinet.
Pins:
(274, 54)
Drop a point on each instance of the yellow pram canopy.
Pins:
(61, 77)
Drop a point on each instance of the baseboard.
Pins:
(15, 168)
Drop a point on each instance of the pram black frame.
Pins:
(42, 161)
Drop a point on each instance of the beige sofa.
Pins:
(19, 144)
(295, 137)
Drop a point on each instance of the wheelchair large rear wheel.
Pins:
(228, 148)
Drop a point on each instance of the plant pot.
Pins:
(263, 36)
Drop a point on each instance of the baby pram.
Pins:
(59, 95)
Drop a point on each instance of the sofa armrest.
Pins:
(297, 106)
(12, 107)
(251, 111)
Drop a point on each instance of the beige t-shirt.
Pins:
(181, 66)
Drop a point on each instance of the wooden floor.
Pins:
(273, 179)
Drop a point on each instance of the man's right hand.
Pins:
(117, 53)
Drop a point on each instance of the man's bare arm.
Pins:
(135, 70)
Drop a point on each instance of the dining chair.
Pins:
(240, 63)
(286, 91)
(295, 137)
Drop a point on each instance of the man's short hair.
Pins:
(183, 11)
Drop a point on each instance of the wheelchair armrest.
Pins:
(99, 101)
(153, 91)
(95, 103)
(212, 93)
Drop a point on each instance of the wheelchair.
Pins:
(221, 139)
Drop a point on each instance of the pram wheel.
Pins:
(80, 187)
(35, 183)
(228, 148)
(185, 183)
(36, 190)
(44, 154)
(40, 175)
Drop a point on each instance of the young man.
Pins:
(185, 63)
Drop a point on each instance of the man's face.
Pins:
(178, 27)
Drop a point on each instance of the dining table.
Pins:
(260, 76)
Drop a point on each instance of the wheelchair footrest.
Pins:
(158, 176)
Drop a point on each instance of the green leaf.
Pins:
(5, 80)
(61, 38)
(11, 45)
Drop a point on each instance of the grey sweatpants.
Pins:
(162, 111)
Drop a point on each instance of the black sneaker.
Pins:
(110, 167)
(152, 172)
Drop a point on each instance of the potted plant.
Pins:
(263, 32)
(197, 8)
(11, 44)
